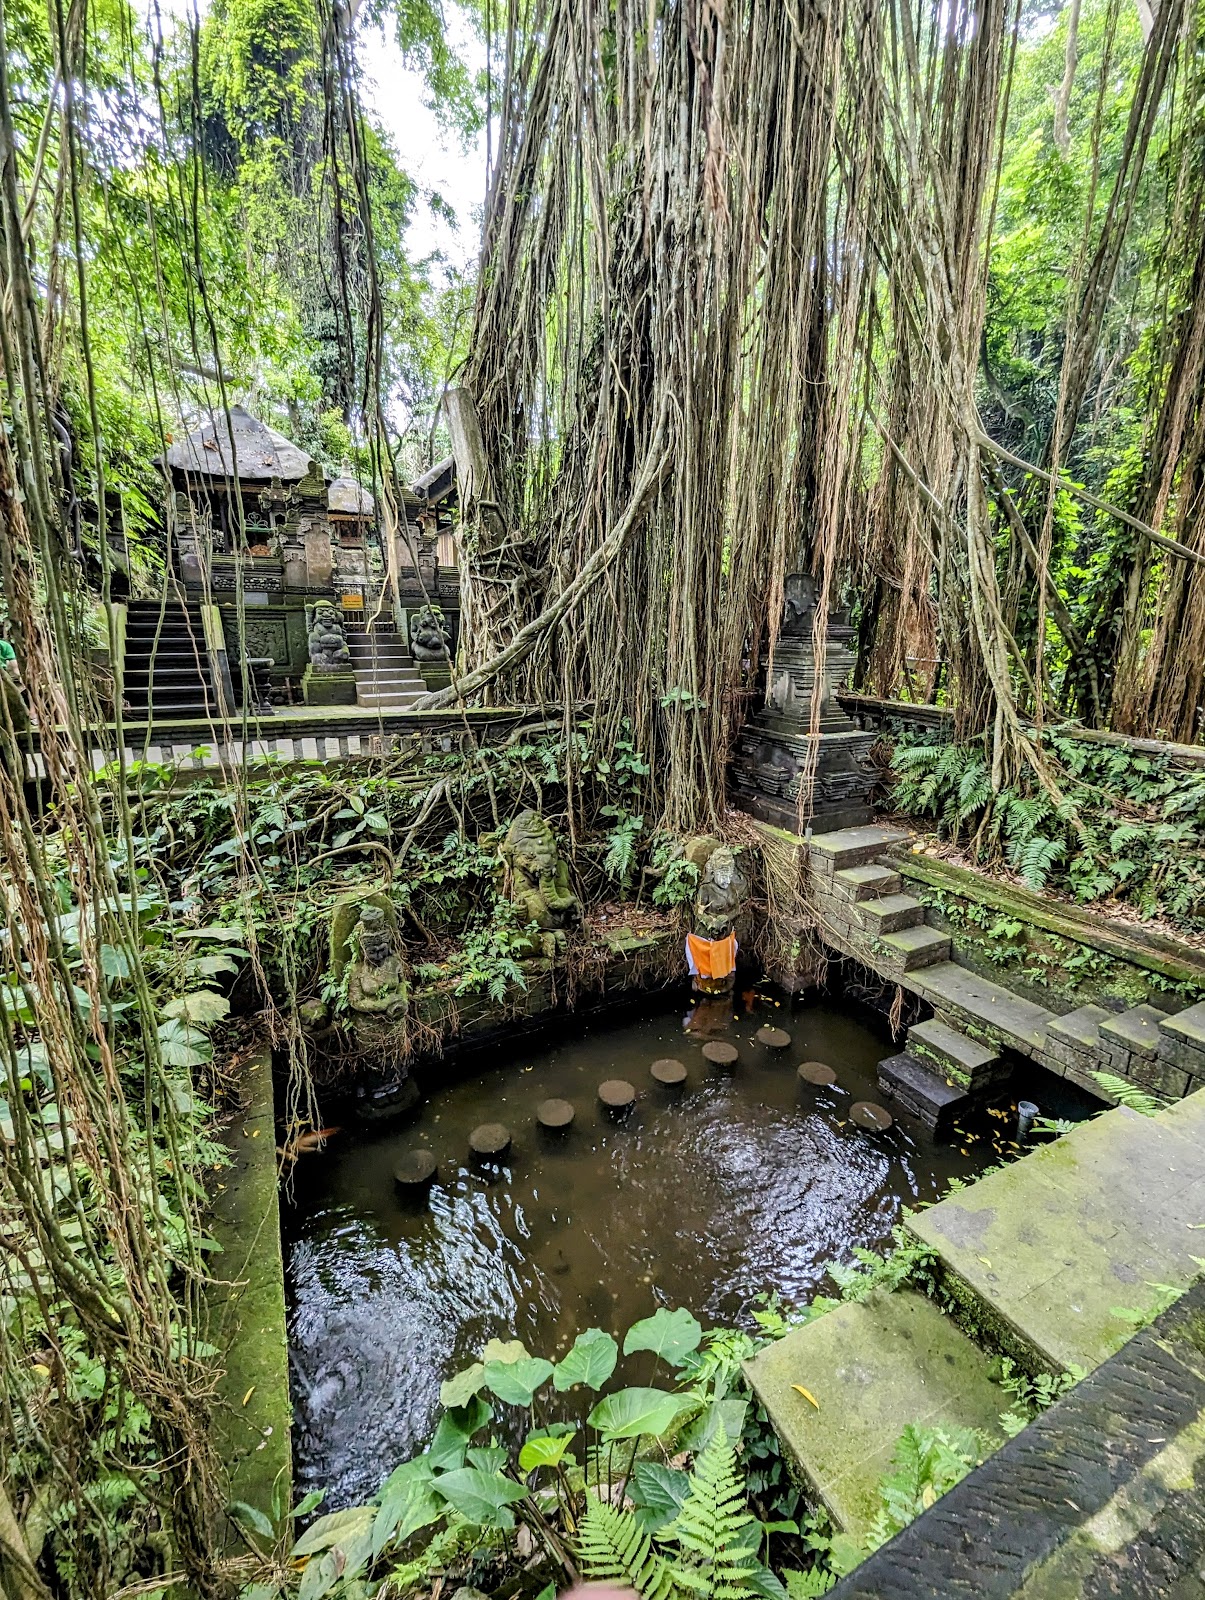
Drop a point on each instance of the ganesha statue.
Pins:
(429, 636)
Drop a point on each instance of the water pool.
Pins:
(743, 1183)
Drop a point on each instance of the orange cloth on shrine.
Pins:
(713, 958)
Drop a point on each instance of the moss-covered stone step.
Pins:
(911, 948)
(890, 914)
(921, 1090)
(851, 847)
(982, 1008)
(1099, 1497)
(871, 1368)
(865, 883)
(964, 1061)
(1057, 1256)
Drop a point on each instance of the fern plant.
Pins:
(1128, 1094)
(714, 1536)
(613, 1547)
(927, 1462)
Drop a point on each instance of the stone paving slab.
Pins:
(997, 1010)
(1102, 1498)
(949, 1045)
(866, 883)
(1049, 1249)
(1136, 1030)
(873, 1366)
(1081, 1027)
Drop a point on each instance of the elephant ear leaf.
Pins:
(632, 1413)
(591, 1361)
(482, 1498)
(672, 1335)
(515, 1382)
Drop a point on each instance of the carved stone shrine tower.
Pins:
(774, 748)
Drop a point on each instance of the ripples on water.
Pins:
(742, 1184)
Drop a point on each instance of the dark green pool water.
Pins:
(742, 1184)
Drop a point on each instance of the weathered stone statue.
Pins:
(376, 979)
(711, 944)
(721, 895)
(539, 880)
(328, 647)
(429, 636)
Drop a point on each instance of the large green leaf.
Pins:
(203, 1005)
(458, 1391)
(729, 1413)
(337, 1527)
(668, 1334)
(591, 1361)
(633, 1412)
(408, 1503)
(483, 1498)
(658, 1493)
(508, 1350)
(545, 1447)
(515, 1382)
(455, 1429)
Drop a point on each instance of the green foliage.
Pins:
(615, 1547)
(1129, 826)
(1032, 1396)
(925, 1463)
(1128, 1094)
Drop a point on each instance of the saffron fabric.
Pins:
(711, 958)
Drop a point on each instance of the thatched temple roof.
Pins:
(261, 453)
(351, 499)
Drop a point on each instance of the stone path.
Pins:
(1038, 1258)
(1102, 1498)
(857, 894)
(873, 1367)
(1051, 1247)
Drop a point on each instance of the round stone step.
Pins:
(617, 1095)
(720, 1053)
(874, 1118)
(490, 1141)
(555, 1115)
(815, 1072)
(415, 1170)
(669, 1072)
(773, 1038)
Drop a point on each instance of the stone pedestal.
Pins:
(322, 687)
(775, 748)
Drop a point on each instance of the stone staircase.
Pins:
(166, 670)
(856, 893)
(1038, 1260)
(386, 676)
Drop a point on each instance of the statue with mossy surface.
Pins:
(538, 881)
(711, 946)
(366, 953)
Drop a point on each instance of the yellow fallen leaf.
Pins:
(985, 1261)
(248, 1394)
(807, 1394)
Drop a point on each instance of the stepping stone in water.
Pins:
(490, 1141)
(415, 1170)
(815, 1072)
(867, 1115)
(720, 1053)
(668, 1071)
(773, 1038)
(617, 1095)
(556, 1115)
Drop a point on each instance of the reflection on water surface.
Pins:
(742, 1183)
